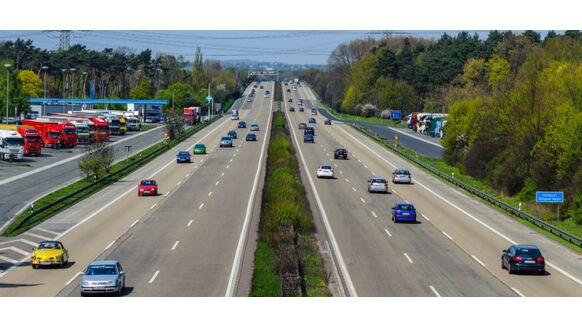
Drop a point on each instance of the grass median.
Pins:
(284, 202)
(117, 171)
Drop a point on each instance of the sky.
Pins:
(291, 47)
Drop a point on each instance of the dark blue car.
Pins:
(242, 125)
(312, 120)
(183, 157)
(403, 212)
(520, 258)
(309, 138)
(251, 137)
(232, 134)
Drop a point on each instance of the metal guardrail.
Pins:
(544, 225)
(28, 219)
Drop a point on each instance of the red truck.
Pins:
(32, 142)
(67, 132)
(101, 126)
(192, 115)
(50, 132)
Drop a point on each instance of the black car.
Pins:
(242, 125)
(301, 109)
(290, 100)
(251, 137)
(288, 90)
(291, 109)
(522, 258)
(340, 153)
(302, 126)
(232, 134)
(261, 87)
(309, 130)
(327, 122)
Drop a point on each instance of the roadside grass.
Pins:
(284, 202)
(569, 225)
(146, 127)
(117, 172)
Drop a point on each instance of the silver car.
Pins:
(401, 175)
(226, 142)
(378, 185)
(103, 277)
(254, 127)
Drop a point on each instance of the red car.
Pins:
(147, 187)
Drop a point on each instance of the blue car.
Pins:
(251, 137)
(523, 258)
(242, 125)
(308, 138)
(103, 277)
(183, 157)
(312, 120)
(232, 134)
(403, 212)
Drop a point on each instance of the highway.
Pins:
(187, 241)
(455, 248)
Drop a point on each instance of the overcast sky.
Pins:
(292, 47)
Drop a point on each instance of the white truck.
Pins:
(11, 145)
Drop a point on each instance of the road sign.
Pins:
(395, 114)
(209, 99)
(549, 197)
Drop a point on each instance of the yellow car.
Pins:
(49, 252)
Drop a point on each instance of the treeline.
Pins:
(118, 73)
(514, 101)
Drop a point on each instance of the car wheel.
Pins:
(502, 265)
(510, 269)
(83, 294)
(35, 266)
(62, 265)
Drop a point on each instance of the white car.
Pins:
(325, 171)
(401, 175)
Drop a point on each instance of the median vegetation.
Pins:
(287, 261)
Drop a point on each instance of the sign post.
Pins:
(549, 197)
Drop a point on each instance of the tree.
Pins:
(143, 89)
(198, 78)
(178, 95)
(96, 161)
(30, 84)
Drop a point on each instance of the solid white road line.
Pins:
(388, 232)
(374, 174)
(517, 292)
(38, 236)
(152, 207)
(363, 201)
(187, 175)
(167, 193)
(444, 233)
(72, 279)
(478, 261)
(179, 183)
(237, 261)
(154, 277)
(415, 137)
(201, 205)
(175, 244)
(210, 194)
(425, 217)
(394, 191)
(190, 223)
(374, 214)
(366, 166)
(408, 258)
(109, 245)
(134, 223)
(434, 291)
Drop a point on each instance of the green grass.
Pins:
(440, 165)
(313, 269)
(266, 281)
(145, 127)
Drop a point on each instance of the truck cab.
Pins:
(11, 145)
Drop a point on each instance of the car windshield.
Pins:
(96, 270)
(49, 245)
(14, 141)
(529, 252)
(405, 207)
(326, 167)
(148, 183)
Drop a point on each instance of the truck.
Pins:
(11, 145)
(117, 123)
(30, 136)
(50, 132)
(85, 128)
(100, 124)
(192, 115)
(133, 123)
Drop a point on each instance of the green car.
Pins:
(199, 149)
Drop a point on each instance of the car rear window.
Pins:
(199, 146)
(148, 183)
(96, 270)
(326, 167)
(405, 207)
(529, 252)
(402, 172)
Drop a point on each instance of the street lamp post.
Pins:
(72, 70)
(43, 111)
(64, 80)
(7, 66)
(84, 80)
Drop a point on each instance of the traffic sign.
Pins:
(209, 99)
(549, 197)
(395, 114)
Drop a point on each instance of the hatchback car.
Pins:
(309, 138)
(401, 175)
(232, 134)
(49, 252)
(254, 127)
(340, 153)
(234, 117)
(147, 187)
(261, 87)
(327, 122)
(291, 109)
(403, 212)
(312, 120)
(251, 137)
(302, 126)
(226, 142)
(290, 100)
(522, 258)
(199, 149)
(325, 171)
(183, 157)
(103, 277)
(314, 111)
(242, 125)
(378, 185)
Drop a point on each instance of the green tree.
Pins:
(30, 84)
(143, 90)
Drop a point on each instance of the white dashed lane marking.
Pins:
(408, 258)
(154, 277)
(175, 244)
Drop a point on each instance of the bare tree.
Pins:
(97, 160)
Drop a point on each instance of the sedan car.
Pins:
(378, 185)
(312, 120)
(234, 117)
(290, 100)
(232, 134)
(302, 126)
(242, 125)
(199, 149)
(403, 212)
(183, 157)
(226, 142)
(340, 153)
(327, 122)
(309, 138)
(521, 258)
(325, 171)
(401, 175)
(147, 187)
(261, 87)
(251, 137)
(291, 109)
(254, 127)
(49, 252)
(103, 277)
(314, 111)
(309, 130)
